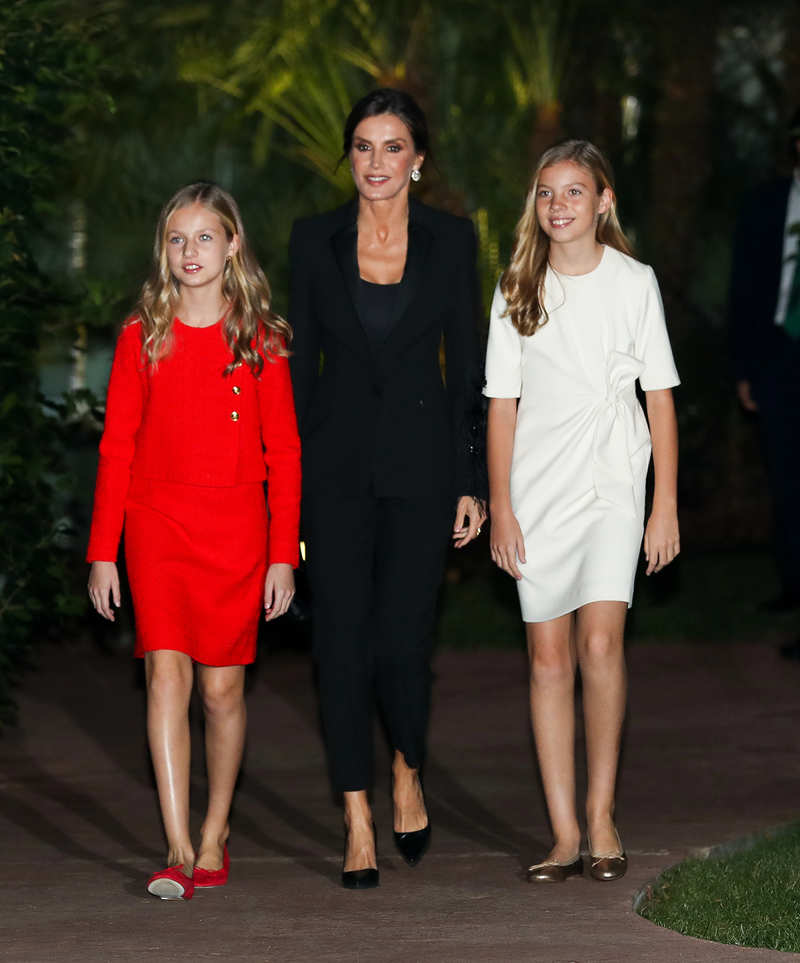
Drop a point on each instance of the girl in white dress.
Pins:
(575, 321)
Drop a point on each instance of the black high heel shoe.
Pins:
(412, 845)
(361, 878)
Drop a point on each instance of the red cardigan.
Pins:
(185, 422)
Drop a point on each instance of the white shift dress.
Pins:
(581, 445)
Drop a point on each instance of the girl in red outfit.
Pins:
(199, 415)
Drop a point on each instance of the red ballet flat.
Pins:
(213, 877)
(171, 883)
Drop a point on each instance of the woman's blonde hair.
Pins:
(522, 282)
(251, 328)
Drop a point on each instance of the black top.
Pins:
(377, 306)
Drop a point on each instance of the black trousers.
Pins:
(375, 566)
(778, 395)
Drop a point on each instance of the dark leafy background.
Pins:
(106, 107)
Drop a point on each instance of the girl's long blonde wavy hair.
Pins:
(251, 328)
(522, 282)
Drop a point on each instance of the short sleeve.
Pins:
(503, 353)
(652, 340)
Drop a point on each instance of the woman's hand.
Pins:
(104, 588)
(278, 590)
(506, 543)
(467, 508)
(662, 541)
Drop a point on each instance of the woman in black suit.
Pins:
(387, 467)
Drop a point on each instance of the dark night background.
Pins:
(107, 107)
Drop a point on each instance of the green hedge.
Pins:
(39, 79)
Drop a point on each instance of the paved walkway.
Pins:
(711, 754)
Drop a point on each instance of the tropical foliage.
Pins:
(40, 80)
(106, 107)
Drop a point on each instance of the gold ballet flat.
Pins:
(607, 866)
(551, 872)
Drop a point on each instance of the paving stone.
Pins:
(710, 755)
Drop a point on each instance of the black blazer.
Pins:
(379, 417)
(755, 281)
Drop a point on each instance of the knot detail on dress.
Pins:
(618, 433)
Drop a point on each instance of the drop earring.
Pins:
(416, 175)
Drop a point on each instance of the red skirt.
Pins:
(196, 559)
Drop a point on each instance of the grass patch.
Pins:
(701, 597)
(745, 898)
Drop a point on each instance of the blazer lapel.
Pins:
(420, 240)
(344, 243)
(344, 250)
(419, 243)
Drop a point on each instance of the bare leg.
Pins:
(169, 688)
(552, 691)
(360, 838)
(222, 693)
(600, 628)
(409, 803)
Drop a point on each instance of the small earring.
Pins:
(416, 175)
